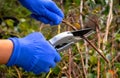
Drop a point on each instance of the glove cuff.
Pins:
(15, 52)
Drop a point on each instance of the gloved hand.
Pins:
(33, 53)
(45, 11)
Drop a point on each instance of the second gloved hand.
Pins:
(33, 53)
(45, 11)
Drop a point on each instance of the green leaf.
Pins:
(91, 75)
(56, 70)
(117, 65)
(93, 60)
(117, 38)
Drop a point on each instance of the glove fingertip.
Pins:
(56, 22)
(46, 70)
(61, 14)
(53, 65)
(57, 58)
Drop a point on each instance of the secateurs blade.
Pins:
(64, 40)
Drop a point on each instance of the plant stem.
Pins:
(98, 50)
(70, 63)
(67, 23)
(99, 41)
(18, 72)
(109, 21)
(82, 61)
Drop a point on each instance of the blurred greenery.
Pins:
(26, 25)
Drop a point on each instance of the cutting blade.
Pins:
(81, 32)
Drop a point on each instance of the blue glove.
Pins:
(45, 11)
(33, 53)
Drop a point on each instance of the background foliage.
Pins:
(81, 60)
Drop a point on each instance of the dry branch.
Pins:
(82, 61)
(99, 41)
(70, 63)
(109, 21)
(18, 72)
(67, 23)
(82, 26)
(98, 50)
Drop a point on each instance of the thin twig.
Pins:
(82, 61)
(61, 5)
(67, 23)
(98, 50)
(18, 72)
(82, 26)
(115, 57)
(79, 71)
(70, 63)
(48, 75)
(99, 41)
(109, 21)
(59, 27)
(98, 67)
(73, 71)
(81, 19)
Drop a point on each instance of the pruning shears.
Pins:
(64, 40)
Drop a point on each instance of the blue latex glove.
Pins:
(45, 11)
(33, 53)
